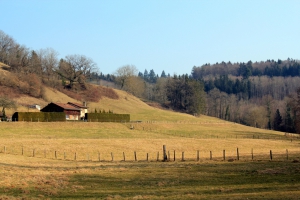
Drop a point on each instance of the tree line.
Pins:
(261, 94)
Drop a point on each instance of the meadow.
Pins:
(85, 160)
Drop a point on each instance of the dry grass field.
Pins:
(85, 160)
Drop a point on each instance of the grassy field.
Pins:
(85, 160)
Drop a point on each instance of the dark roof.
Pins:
(77, 105)
(66, 106)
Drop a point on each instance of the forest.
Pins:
(261, 94)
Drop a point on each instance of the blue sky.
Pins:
(170, 35)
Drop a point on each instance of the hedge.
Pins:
(107, 117)
(39, 116)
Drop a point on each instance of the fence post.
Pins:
(135, 156)
(157, 159)
(123, 156)
(164, 153)
(271, 156)
(174, 155)
(224, 154)
(75, 156)
(252, 153)
(112, 156)
(169, 156)
(210, 155)
(147, 157)
(182, 156)
(55, 155)
(237, 154)
(99, 156)
(198, 155)
(287, 154)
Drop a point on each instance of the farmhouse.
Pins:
(72, 112)
(83, 108)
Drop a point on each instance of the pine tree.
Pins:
(163, 74)
(288, 122)
(277, 124)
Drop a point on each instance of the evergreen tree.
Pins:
(163, 74)
(277, 123)
(141, 75)
(289, 122)
(152, 76)
(146, 75)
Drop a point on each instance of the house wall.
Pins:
(72, 115)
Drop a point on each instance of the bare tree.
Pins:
(76, 68)
(124, 73)
(7, 43)
(134, 85)
(6, 103)
(49, 61)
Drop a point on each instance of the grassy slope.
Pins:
(39, 177)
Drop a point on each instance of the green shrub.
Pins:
(107, 117)
(39, 116)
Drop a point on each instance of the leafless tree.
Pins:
(7, 43)
(76, 68)
(6, 103)
(124, 73)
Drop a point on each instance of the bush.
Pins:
(107, 117)
(39, 116)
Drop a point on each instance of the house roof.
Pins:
(77, 105)
(66, 106)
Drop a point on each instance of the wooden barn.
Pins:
(72, 112)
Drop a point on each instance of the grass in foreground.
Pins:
(53, 179)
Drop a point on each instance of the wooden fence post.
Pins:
(112, 156)
(182, 156)
(157, 159)
(252, 153)
(164, 153)
(99, 156)
(287, 154)
(271, 156)
(55, 155)
(147, 157)
(174, 155)
(237, 154)
(135, 156)
(210, 155)
(198, 155)
(224, 154)
(124, 156)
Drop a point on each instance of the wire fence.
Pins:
(156, 156)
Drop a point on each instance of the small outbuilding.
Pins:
(72, 112)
